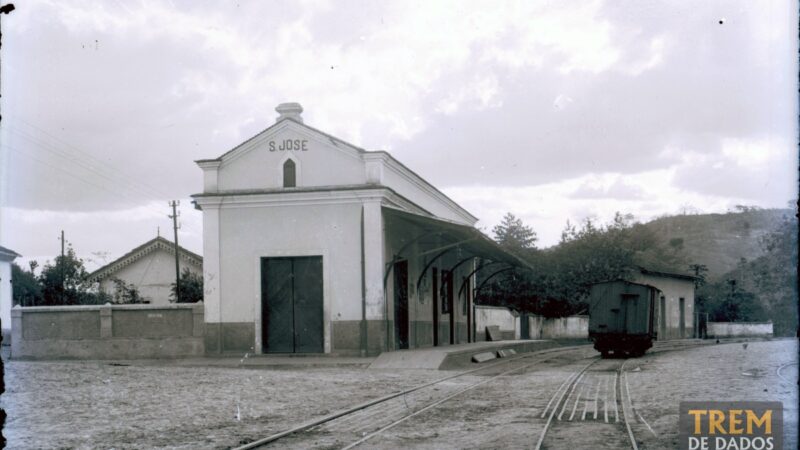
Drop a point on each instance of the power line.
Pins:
(80, 162)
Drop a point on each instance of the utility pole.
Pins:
(61, 267)
(175, 227)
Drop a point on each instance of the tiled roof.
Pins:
(159, 243)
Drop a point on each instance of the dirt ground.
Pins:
(725, 372)
(97, 405)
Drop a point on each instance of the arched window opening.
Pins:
(289, 174)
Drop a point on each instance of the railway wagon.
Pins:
(622, 315)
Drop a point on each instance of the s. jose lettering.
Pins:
(289, 145)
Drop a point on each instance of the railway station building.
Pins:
(314, 245)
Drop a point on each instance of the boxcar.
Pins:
(622, 317)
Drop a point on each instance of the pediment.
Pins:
(289, 136)
(320, 159)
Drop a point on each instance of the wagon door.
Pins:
(629, 313)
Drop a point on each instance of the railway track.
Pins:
(577, 403)
(580, 395)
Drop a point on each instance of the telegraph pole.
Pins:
(175, 227)
(61, 267)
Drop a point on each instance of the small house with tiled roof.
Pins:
(150, 267)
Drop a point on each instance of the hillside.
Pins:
(720, 240)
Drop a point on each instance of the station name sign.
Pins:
(731, 425)
(289, 145)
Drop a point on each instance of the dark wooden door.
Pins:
(449, 300)
(401, 304)
(291, 305)
(435, 302)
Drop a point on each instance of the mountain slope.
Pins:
(719, 241)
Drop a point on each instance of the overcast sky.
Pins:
(550, 110)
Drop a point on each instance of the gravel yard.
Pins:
(164, 404)
(98, 405)
(725, 372)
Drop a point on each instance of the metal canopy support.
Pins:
(397, 255)
(461, 289)
(427, 266)
(455, 244)
(452, 269)
(477, 290)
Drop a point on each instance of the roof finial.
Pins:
(158, 231)
(289, 111)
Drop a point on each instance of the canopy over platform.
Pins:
(441, 234)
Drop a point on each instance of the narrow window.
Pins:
(289, 175)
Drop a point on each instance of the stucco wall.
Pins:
(572, 327)
(152, 274)
(107, 332)
(420, 194)
(248, 234)
(322, 164)
(504, 318)
(6, 297)
(673, 290)
(737, 329)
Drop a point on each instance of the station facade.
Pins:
(676, 317)
(314, 245)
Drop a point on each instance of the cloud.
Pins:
(112, 232)
(758, 171)
(618, 189)
(107, 105)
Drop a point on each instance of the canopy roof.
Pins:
(468, 238)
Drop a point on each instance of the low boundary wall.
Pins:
(500, 316)
(738, 329)
(107, 331)
(571, 327)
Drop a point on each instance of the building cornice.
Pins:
(412, 177)
(321, 195)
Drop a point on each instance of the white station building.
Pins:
(314, 245)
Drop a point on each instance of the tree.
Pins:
(25, 286)
(126, 293)
(513, 235)
(64, 282)
(559, 283)
(191, 288)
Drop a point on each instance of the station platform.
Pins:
(451, 357)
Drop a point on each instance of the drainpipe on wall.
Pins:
(363, 325)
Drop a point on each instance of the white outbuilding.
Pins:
(150, 268)
(314, 245)
(7, 256)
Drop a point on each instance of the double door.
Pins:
(292, 305)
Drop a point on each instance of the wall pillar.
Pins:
(197, 319)
(374, 266)
(212, 278)
(16, 330)
(106, 330)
